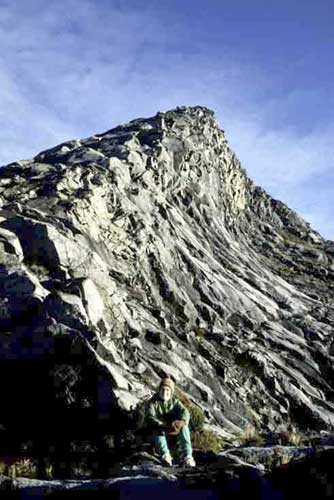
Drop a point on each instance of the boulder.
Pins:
(20, 283)
(92, 301)
(67, 309)
(9, 243)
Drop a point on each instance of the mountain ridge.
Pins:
(150, 244)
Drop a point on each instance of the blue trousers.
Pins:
(182, 443)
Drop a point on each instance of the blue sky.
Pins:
(72, 68)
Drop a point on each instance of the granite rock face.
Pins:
(147, 250)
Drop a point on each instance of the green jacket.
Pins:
(160, 414)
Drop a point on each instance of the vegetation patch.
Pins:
(201, 439)
(39, 269)
(291, 438)
(197, 416)
(251, 437)
(205, 440)
(24, 467)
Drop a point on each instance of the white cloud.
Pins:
(298, 170)
(279, 157)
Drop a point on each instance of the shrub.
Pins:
(23, 468)
(251, 437)
(296, 439)
(207, 441)
(286, 458)
(277, 458)
(39, 269)
(291, 437)
(199, 332)
(197, 416)
(109, 441)
(49, 471)
(81, 470)
(280, 457)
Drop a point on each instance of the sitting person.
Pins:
(167, 417)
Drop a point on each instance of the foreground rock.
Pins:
(220, 477)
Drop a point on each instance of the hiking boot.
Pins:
(189, 462)
(167, 459)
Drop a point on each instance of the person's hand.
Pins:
(175, 427)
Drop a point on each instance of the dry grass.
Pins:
(285, 458)
(295, 438)
(201, 439)
(251, 436)
(291, 437)
(206, 441)
(81, 470)
(278, 458)
(109, 441)
(199, 332)
(197, 417)
(22, 468)
(49, 471)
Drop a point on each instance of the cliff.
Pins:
(147, 250)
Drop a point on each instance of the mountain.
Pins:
(146, 250)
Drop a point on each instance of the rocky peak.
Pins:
(149, 250)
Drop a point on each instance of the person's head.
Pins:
(166, 388)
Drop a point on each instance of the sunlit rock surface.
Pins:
(147, 250)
